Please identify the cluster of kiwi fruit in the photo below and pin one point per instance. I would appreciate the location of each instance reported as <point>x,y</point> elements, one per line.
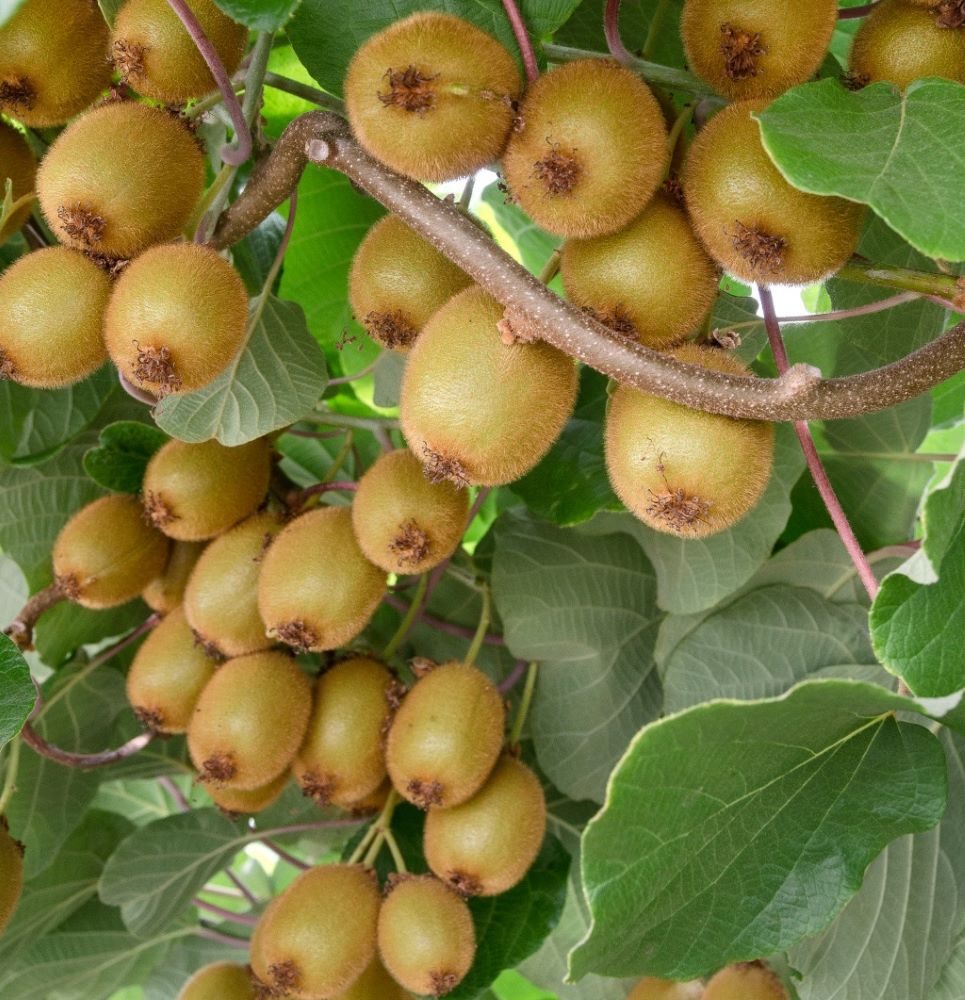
<point>744,981</point>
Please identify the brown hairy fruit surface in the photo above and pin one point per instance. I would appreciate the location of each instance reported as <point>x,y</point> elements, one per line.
<point>18,165</point>
<point>654,277</point>
<point>11,874</point>
<point>486,846</point>
<point>166,592</point>
<point>318,937</point>
<point>156,56</point>
<point>247,802</point>
<point>752,222</point>
<point>681,471</point>
<point>317,590</point>
<point>371,803</point>
<point>426,936</point>
<point>220,981</point>
<point>121,178</point>
<point>52,305</point>
<point>432,96</point>
<point>446,737</point>
<point>746,981</point>
<point>475,410</point>
<point>250,721</point>
<point>591,149</point>
<point>106,554</point>
<point>375,984</point>
<point>666,989</point>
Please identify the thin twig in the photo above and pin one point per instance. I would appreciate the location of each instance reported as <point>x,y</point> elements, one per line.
<point>210,934</point>
<point>522,712</point>
<point>297,498</point>
<point>479,636</point>
<point>285,856</point>
<point>84,761</point>
<point>611,29</point>
<point>242,887</point>
<point>355,376</point>
<point>513,677</point>
<point>522,40</point>
<point>220,911</point>
<point>21,629</point>
<point>302,90</point>
<point>175,793</point>
<point>846,13</point>
<point>408,620</point>
<point>449,628</point>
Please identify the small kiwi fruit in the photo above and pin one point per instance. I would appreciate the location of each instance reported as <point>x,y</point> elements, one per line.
<point>426,935</point>
<point>154,54</point>
<point>682,471</point>
<point>106,554</point>
<point>121,178</point>
<point>752,221</point>
<point>177,317</point>
<point>591,150</point>
<point>317,590</point>
<point>166,592</point>
<point>398,280</point>
<point>403,522</point>
<point>745,981</point>
<point>446,736</point>
<point>250,721</point>
<point>632,281</point>
<point>433,96</point>
<point>18,165</point>
<point>375,984</point>
<point>319,936</point>
<point>52,305</point>
<point>11,874</point>
<point>476,410</point>
<point>247,802</point>
<point>666,989</point>
<point>220,981</point>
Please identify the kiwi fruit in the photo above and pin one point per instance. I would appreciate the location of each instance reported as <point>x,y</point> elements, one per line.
<point>318,937</point>
<point>247,802</point>
<point>751,220</point>
<point>371,803</point>
<point>375,984</point>
<point>11,874</point>
<point>487,845</point>
<point>426,935</point>
<point>196,491</point>
<point>168,675</point>
<point>398,280</point>
<point>178,316</point>
<point>221,599</point>
<point>18,165</point>
<point>432,96</point>
<point>106,554</point>
<point>250,721</point>
<point>446,736</point>
<point>652,281</point>
<point>220,981</point>
<point>474,409</point>
<point>403,522</point>
<point>317,590</point>
<point>666,989</point>
<point>52,305</point>
<point>682,471</point>
<point>166,592</point>
<point>154,54</point>
<point>121,178</point>
<point>756,48</point>
<point>746,981</point>
<point>591,149</point>
<point>53,60</point>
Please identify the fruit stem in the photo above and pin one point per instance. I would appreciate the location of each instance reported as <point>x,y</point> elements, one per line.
<point>522,39</point>
<point>372,834</point>
<point>485,617</point>
<point>466,197</point>
<point>945,286</point>
<point>241,886</point>
<point>355,376</point>
<point>212,100</point>
<point>302,90</point>
<point>673,139</point>
<point>656,22</point>
<point>524,706</point>
<point>202,217</point>
<point>10,778</point>
<point>84,761</point>
<point>512,679</point>
<point>174,792</point>
<point>845,13</point>
<point>552,266</point>
<point>21,628</point>
<point>449,628</point>
<point>409,620</point>
<point>397,858</point>
<point>297,498</point>
<point>285,856</point>
<point>339,459</point>
<point>611,29</point>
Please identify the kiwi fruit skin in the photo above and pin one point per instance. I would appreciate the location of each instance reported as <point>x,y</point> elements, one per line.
<point>666,989</point>
<point>250,721</point>
<point>752,222</point>
<point>11,874</point>
<point>475,410</point>
<point>52,305</point>
<point>486,846</point>
<point>119,179</point>
<point>19,166</point>
<point>681,471</point>
<point>178,316</point>
<point>745,981</point>
<point>166,592</point>
<point>632,280</point>
<point>446,737</point>
<point>591,151</point>
<point>372,803</point>
<point>106,554</point>
<point>248,802</point>
<point>432,96</point>
<point>53,61</point>
<point>220,981</point>
<point>404,523</point>
<point>426,935</point>
<point>317,591</point>
<point>158,58</point>
<point>375,984</point>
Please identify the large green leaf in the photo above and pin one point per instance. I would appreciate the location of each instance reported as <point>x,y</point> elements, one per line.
<point>66,627</point>
<point>263,15</point>
<point>123,450</point>
<point>951,983</point>
<point>17,695</point>
<point>186,956</point>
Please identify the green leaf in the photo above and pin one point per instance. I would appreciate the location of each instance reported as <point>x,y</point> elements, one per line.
<point>17,695</point>
<point>531,245</point>
<point>119,461</point>
<point>186,956</point>
<point>67,627</point>
<point>7,9</point>
<point>139,800</point>
<point>951,984</point>
<point>262,15</point>
<point>254,256</point>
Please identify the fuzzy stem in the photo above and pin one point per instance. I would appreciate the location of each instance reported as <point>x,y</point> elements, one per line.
<point>552,266</point>
<point>524,706</point>
<point>513,678</point>
<point>297,498</point>
<point>396,853</point>
<point>945,286</point>
<point>84,761</point>
<point>285,856</point>
<point>847,13</point>
<point>21,629</point>
<point>409,620</point>
<point>220,911</point>
<point>466,197</point>
<point>485,617</point>
<point>611,29</point>
<point>10,778</point>
<point>382,822</point>
<point>302,90</point>
<point>522,39</point>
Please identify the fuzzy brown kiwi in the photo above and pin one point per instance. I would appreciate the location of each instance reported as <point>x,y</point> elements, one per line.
<point>375,984</point>
<point>469,399</point>
<point>745,981</point>
<point>219,981</point>
<point>166,592</point>
<point>432,96</point>
<point>19,166</point>
<point>11,874</point>
<point>681,471</point>
<point>248,802</point>
<point>371,803</point>
<point>666,989</point>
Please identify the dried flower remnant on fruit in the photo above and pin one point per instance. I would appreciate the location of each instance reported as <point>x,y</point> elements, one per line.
<point>678,510</point>
<point>69,586</point>
<point>128,59</point>
<point>618,321</point>
<point>443,983</point>
<point>318,788</point>
<point>150,719</point>
<point>411,545</point>
<point>297,634</point>
<point>950,14</point>
<point>742,51</point>
<point>425,794</point>
<point>156,510</point>
<point>155,367</point>
<point>17,94</point>
<point>391,329</point>
<point>438,468</point>
<point>209,648</point>
<point>464,884</point>
<point>82,223</point>
<point>408,89</point>
<point>218,769</point>
<point>763,252</point>
<point>7,367</point>
<point>284,978</point>
<point>558,171</point>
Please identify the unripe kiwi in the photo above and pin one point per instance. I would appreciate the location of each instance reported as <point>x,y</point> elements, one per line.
<point>446,736</point>
<point>375,984</point>
<point>666,989</point>
<point>250,721</point>
<point>432,96</point>
<point>106,554</point>
<point>754,224</point>
<point>426,935</point>
<point>746,981</point>
<point>17,164</point>
<point>476,410</point>
<point>682,471</point>
<point>196,491</point>
<point>487,845</point>
<point>156,56</point>
<point>652,281</point>
<point>317,590</point>
<point>166,592</point>
<point>11,874</point>
<point>220,981</point>
<point>318,937</point>
<point>403,522</point>
<point>119,179</point>
<point>247,802</point>
<point>398,280</point>
<point>591,151</point>
<point>53,60</point>
<point>52,304</point>
<point>177,317</point>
